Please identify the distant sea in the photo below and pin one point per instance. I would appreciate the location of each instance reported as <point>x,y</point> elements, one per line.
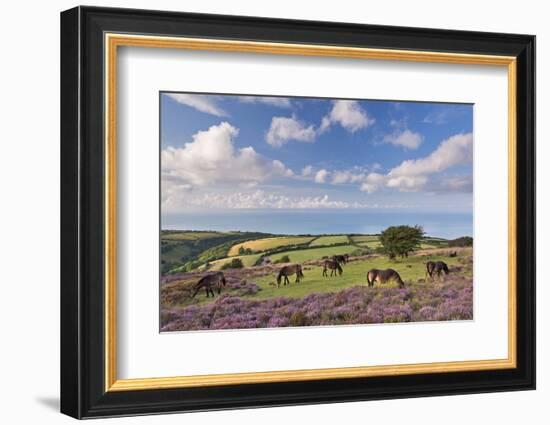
<point>445,225</point>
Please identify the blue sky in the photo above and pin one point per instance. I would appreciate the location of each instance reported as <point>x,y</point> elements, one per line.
<point>246,152</point>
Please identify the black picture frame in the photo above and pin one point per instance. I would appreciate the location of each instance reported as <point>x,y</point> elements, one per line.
<point>82,219</point>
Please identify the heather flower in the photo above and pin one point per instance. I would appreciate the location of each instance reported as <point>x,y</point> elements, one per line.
<point>451,299</point>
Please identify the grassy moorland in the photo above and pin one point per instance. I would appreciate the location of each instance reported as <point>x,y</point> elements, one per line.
<point>252,298</point>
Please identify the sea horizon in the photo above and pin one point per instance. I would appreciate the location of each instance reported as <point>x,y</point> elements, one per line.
<point>320,222</point>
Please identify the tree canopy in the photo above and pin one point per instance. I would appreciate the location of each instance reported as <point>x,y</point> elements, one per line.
<point>401,240</point>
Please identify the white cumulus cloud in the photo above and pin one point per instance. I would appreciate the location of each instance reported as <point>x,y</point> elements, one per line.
<point>307,170</point>
<point>406,138</point>
<point>202,103</point>
<point>347,113</point>
<point>354,175</point>
<point>211,157</point>
<point>321,176</point>
<point>259,199</point>
<point>279,102</point>
<point>285,129</point>
<point>414,174</point>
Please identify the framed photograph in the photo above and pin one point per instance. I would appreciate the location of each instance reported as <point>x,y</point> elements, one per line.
<point>261,212</point>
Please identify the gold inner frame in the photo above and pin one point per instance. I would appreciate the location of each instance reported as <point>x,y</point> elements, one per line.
<point>113,41</point>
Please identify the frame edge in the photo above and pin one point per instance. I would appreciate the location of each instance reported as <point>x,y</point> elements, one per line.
<point>70,349</point>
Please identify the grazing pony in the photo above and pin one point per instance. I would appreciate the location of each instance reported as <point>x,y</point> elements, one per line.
<point>289,270</point>
<point>342,259</point>
<point>453,254</point>
<point>334,267</point>
<point>382,276</point>
<point>209,282</point>
<point>436,267</point>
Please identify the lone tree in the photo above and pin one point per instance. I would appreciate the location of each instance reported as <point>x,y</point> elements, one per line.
<point>400,240</point>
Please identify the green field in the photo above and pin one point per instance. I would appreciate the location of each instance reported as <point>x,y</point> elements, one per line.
<point>299,256</point>
<point>329,240</point>
<point>265,244</point>
<point>190,236</point>
<point>434,243</point>
<point>364,238</point>
<point>410,269</point>
<point>371,241</point>
<point>248,261</point>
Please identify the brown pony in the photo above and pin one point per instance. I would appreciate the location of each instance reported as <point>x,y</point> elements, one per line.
<point>436,267</point>
<point>342,259</point>
<point>289,270</point>
<point>382,276</point>
<point>334,267</point>
<point>208,282</point>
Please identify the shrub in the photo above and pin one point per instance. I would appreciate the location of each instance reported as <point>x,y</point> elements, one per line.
<point>283,259</point>
<point>361,251</point>
<point>235,263</point>
<point>298,319</point>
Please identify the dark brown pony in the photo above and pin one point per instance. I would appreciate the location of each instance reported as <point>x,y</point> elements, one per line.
<point>209,282</point>
<point>436,267</point>
<point>289,270</point>
<point>382,276</point>
<point>453,254</point>
<point>334,267</point>
<point>342,259</point>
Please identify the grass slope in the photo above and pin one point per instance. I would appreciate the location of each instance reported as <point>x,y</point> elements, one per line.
<point>248,261</point>
<point>187,250</point>
<point>265,244</point>
<point>329,240</point>
<point>410,269</point>
<point>301,255</point>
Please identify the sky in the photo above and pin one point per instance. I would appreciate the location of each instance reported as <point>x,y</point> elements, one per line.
<point>228,152</point>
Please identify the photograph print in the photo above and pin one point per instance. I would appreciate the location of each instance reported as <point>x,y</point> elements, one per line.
<point>282,212</point>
